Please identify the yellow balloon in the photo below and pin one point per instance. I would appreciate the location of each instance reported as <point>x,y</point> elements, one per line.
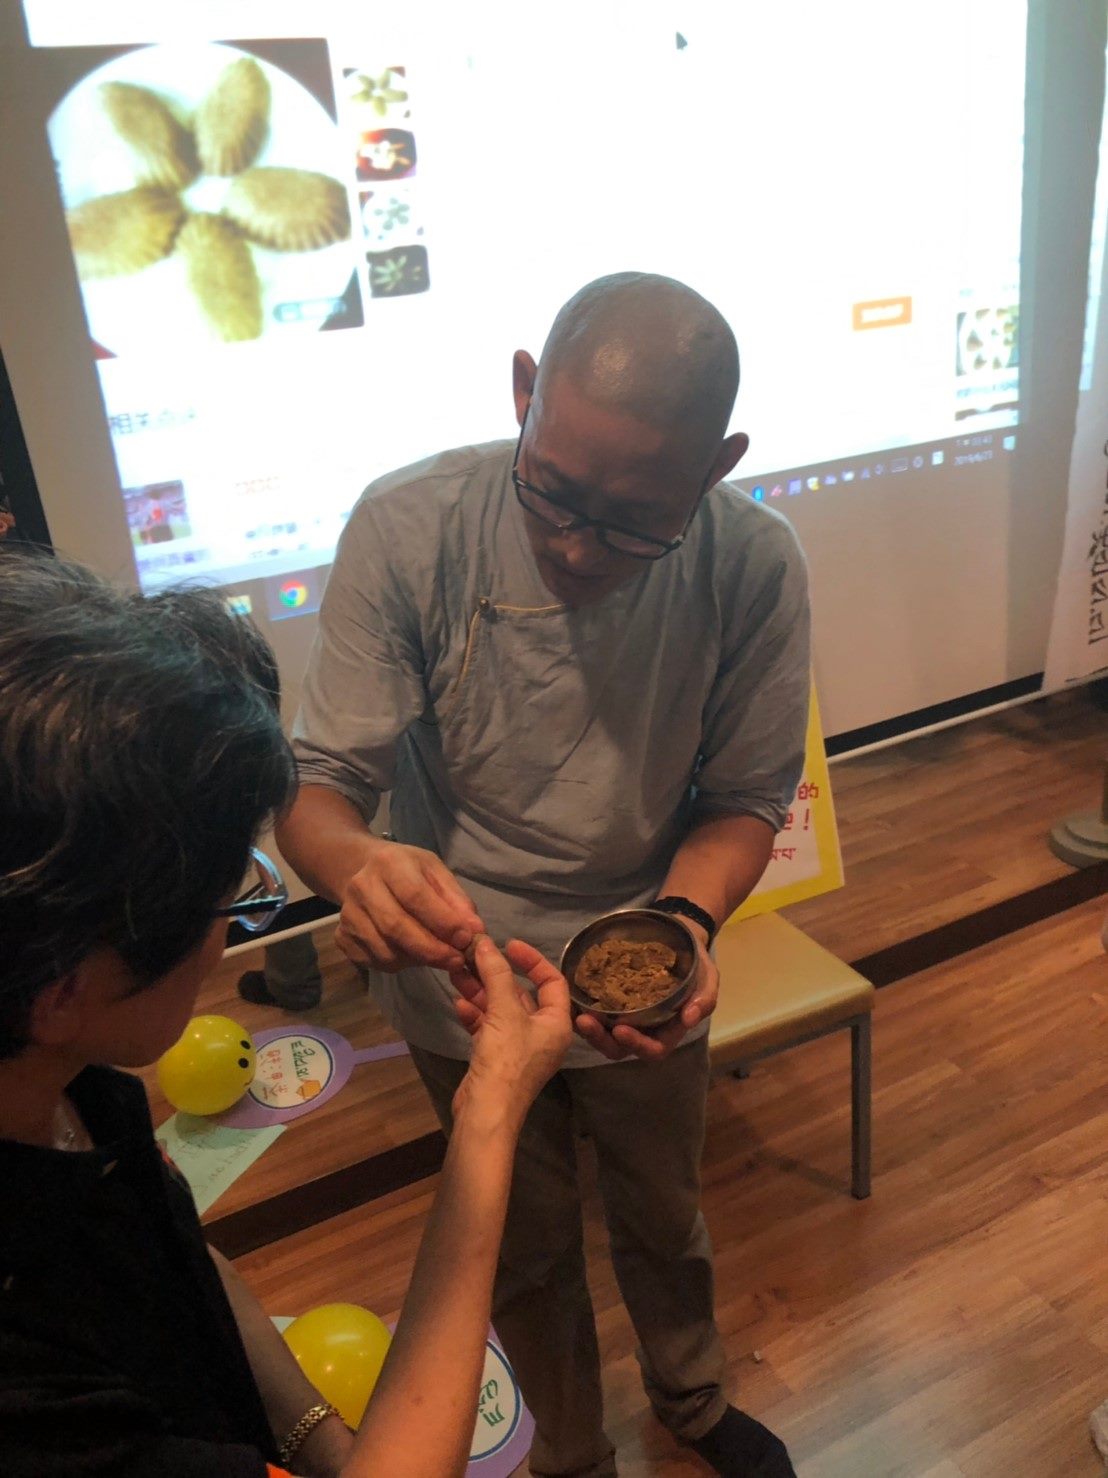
<point>341,1349</point>
<point>210,1068</point>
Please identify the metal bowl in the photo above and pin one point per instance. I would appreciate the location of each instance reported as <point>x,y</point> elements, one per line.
<point>636,924</point>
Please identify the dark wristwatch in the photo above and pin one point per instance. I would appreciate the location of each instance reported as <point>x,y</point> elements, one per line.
<point>690,910</point>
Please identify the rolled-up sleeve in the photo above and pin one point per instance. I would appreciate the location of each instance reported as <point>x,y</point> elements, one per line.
<point>364,683</point>
<point>755,721</point>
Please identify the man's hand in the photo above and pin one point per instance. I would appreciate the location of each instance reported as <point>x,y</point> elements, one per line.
<point>520,1039</point>
<point>625,1041</point>
<point>404,907</point>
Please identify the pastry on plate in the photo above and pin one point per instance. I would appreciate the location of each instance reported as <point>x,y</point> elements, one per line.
<point>222,275</point>
<point>288,209</point>
<point>233,120</point>
<point>116,234</point>
<point>163,147</point>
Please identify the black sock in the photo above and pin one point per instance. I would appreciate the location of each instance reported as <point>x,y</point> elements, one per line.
<point>252,987</point>
<point>740,1447</point>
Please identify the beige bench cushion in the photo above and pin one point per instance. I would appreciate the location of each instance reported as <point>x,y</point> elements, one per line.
<point>776,985</point>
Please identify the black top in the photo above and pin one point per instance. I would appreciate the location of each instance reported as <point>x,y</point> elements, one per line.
<point>119,1353</point>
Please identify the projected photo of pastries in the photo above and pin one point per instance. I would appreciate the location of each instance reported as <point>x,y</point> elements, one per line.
<point>205,197</point>
<point>988,340</point>
<point>386,154</point>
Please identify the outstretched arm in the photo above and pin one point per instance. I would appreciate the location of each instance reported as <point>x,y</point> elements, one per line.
<point>420,1420</point>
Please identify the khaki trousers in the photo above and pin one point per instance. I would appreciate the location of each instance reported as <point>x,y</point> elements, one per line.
<point>646,1121</point>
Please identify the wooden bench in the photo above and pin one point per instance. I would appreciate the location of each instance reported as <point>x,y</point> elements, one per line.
<point>779,988</point>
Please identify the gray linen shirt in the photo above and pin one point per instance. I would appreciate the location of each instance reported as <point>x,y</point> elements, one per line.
<point>551,757</point>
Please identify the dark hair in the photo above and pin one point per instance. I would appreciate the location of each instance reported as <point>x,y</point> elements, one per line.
<point>140,753</point>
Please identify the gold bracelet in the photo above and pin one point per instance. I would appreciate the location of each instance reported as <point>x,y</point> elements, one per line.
<point>304,1427</point>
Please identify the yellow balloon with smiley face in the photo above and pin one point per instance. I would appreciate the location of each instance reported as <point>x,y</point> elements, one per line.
<point>209,1068</point>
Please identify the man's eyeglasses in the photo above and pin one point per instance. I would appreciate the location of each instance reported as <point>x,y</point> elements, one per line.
<point>259,905</point>
<point>556,513</point>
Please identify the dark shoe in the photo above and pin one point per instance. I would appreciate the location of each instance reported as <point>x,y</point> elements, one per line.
<point>739,1447</point>
<point>253,988</point>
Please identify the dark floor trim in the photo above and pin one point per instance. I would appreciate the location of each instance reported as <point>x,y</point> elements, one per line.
<point>906,724</point>
<point>304,1206</point>
<point>909,956</point>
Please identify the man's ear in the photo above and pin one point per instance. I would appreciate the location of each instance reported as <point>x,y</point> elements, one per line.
<point>524,370</point>
<point>732,450</point>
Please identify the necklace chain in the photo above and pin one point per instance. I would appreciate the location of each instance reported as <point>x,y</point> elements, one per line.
<point>65,1131</point>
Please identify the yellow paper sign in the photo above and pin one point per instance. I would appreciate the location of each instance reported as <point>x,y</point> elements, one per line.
<point>806,859</point>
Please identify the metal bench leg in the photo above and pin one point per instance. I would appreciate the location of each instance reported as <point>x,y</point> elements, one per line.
<point>861,1102</point>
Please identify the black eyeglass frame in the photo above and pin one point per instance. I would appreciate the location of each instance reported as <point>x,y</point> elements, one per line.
<point>255,910</point>
<point>601,527</point>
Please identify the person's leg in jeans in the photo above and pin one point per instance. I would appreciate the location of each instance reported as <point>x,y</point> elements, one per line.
<point>290,978</point>
<point>647,1123</point>
<point>541,1306</point>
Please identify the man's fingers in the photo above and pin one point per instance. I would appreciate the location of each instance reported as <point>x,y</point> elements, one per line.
<point>408,914</point>
<point>452,895</point>
<point>402,931</point>
<point>650,1048</point>
<point>593,1033</point>
<point>360,942</point>
<point>704,999</point>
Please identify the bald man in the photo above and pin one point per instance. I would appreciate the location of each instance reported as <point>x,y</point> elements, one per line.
<point>579,665</point>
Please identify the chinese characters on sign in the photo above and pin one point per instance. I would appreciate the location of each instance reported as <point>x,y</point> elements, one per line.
<point>129,423</point>
<point>800,820</point>
<point>805,859</point>
<point>1078,646</point>
<point>292,1071</point>
<point>1098,570</point>
<point>503,1430</point>
<point>488,1407</point>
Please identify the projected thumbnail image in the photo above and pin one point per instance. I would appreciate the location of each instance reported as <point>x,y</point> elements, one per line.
<point>389,216</point>
<point>398,273</point>
<point>376,100</point>
<point>157,513</point>
<point>987,360</point>
<point>988,340</point>
<point>373,99</point>
<point>204,196</point>
<point>386,154</point>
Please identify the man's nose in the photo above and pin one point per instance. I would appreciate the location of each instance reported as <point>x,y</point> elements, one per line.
<point>581,550</point>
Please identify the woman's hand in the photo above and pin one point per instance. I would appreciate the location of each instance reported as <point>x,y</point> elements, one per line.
<point>520,1038</point>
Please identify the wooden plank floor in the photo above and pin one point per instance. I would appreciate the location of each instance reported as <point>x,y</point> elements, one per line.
<point>943,825</point>
<point>954,1326</point>
<point>382,1105</point>
<point>931,829</point>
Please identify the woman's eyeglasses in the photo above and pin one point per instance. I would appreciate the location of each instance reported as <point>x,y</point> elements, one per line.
<point>259,905</point>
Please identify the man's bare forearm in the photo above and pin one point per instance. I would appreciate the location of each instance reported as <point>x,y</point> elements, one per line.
<point>325,840</point>
<point>719,862</point>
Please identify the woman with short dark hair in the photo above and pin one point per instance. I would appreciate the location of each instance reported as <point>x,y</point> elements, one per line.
<point>140,756</point>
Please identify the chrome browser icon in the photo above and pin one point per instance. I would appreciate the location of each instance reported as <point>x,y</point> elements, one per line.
<point>296,593</point>
<point>293,594</point>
